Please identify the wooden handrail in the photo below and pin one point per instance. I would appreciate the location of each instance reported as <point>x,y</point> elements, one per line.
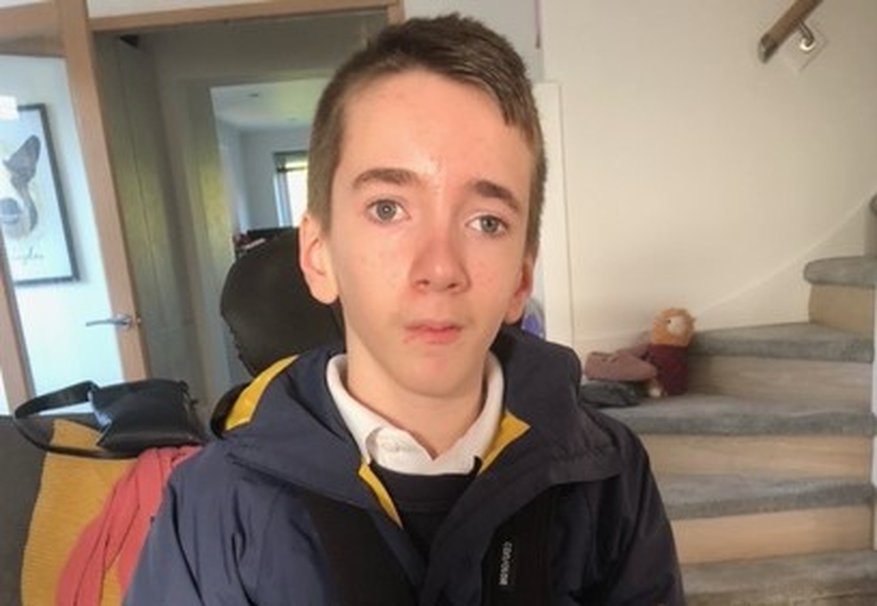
<point>791,20</point>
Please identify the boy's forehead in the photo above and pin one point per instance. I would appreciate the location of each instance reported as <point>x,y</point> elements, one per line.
<point>386,83</point>
<point>359,109</point>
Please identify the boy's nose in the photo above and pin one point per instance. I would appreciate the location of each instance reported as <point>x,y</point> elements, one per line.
<point>439,264</point>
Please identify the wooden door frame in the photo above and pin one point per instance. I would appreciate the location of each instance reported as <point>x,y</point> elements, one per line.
<point>142,22</point>
<point>30,29</point>
<point>78,42</point>
<point>16,377</point>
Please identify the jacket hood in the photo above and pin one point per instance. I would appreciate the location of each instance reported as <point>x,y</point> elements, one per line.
<point>291,429</point>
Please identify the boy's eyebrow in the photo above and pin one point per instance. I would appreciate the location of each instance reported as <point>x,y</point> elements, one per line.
<point>490,189</point>
<point>401,176</point>
<point>393,176</point>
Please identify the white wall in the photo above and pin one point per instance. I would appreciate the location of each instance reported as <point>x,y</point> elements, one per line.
<point>233,170</point>
<point>248,166</point>
<point>61,350</point>
<point>697,176</point>
<point>258,149</point>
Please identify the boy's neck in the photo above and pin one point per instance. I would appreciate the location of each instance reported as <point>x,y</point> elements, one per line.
<point>435,422</point>
<point>437,425</point>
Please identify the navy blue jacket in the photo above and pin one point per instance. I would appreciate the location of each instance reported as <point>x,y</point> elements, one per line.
<point>233,529</point>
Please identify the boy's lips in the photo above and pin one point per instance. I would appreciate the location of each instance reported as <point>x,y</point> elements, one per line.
<point>437,333</point>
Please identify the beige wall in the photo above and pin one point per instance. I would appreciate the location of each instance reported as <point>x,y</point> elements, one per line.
<point>697,176</point>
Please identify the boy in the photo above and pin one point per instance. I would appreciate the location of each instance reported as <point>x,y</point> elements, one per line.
<point>435,458</point>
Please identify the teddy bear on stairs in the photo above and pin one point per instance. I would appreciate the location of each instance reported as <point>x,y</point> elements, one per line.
<point>659,366</point>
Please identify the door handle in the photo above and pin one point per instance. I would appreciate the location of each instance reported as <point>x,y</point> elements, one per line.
<point>123,321</point>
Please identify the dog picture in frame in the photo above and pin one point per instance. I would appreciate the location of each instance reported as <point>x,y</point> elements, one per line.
<point>33,221</point>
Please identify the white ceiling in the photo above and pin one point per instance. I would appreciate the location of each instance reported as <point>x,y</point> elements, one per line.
<point>268,105</point>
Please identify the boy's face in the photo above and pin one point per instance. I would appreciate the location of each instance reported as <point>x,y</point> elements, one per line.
<point>427,244</point>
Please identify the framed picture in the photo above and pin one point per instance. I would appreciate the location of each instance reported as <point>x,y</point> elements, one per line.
<point>33,220</point>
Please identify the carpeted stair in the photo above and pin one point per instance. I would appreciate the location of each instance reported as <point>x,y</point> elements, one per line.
<point>836,579</point>
<point>765,465</point>
<point>798,341</point>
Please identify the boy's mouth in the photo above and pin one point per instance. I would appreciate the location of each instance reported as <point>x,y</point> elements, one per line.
<point>433,333</point>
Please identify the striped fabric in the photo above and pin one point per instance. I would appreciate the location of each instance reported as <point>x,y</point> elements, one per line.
<point>72,493</point>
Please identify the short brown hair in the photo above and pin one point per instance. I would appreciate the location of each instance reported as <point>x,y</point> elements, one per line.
<point>459,48</point>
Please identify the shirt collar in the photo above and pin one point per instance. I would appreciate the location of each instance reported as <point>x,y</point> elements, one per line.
<point>395,449</point>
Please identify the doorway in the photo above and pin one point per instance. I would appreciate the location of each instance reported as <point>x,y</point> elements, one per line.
<point>182,204</point>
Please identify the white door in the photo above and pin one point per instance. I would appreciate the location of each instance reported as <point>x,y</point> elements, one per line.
<point>67,310</point>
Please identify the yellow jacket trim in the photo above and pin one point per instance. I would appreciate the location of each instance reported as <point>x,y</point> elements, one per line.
<point>244,407</point>
<point>368,476</point>
<point>510,429</point>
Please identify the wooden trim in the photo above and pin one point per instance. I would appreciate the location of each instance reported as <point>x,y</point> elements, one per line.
<point>38,20</point>
<point>232,12</point>
<point>32,47</point>
<point>81,68</point>
<point>14,371</point>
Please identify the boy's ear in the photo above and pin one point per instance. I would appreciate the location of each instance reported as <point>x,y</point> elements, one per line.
<point>522,293</point>
<point>315,260</point>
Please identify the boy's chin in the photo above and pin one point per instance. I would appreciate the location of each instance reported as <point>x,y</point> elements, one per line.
<point>439,382</point>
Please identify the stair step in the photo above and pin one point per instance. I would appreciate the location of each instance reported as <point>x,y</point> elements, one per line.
<point>845,308</point>
<point>726,517</point>
<point>846,271</point>
<point>716,434</point>
<point>798,341</point>
<point>766,455</point>
<point>710,496</point>
<point>708,414</point>
<point>773,533</point>
<point>781,379</point>
<point>848,578</point>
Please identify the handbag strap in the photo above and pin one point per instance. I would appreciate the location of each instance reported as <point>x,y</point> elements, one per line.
<point>73,394</point>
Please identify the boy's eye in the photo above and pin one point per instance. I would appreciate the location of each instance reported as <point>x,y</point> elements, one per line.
<point>489,224</point>
<point>385,211</point>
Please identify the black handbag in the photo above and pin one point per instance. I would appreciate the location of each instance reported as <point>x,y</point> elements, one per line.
<point>130,417</point>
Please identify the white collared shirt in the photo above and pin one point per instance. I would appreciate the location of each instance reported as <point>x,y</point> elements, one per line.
<point>396,449</point>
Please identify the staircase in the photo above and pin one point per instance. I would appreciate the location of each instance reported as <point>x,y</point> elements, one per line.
<point>765,466</point>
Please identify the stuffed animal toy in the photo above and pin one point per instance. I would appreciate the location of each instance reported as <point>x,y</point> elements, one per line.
<point>658,365</point>
<point>668,352</point>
